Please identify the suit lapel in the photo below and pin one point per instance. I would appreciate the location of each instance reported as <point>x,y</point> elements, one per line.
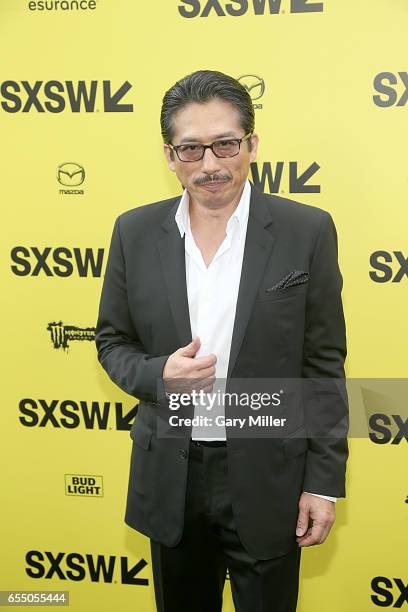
<point>172,256</point>
<point>258,247</point>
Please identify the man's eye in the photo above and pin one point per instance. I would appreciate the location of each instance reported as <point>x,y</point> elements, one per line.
<point>225,145</point>
<point>190,147</point>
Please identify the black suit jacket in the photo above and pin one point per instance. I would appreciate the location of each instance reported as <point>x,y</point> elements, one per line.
<point>298,332</point>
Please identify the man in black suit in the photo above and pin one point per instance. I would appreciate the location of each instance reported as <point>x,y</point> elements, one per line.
<point>226,284</point>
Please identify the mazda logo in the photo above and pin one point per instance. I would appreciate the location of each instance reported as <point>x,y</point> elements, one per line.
<point>70,174</point>
<point>255,85</point>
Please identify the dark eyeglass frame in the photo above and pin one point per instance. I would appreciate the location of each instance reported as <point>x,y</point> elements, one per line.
<point>210,146</point>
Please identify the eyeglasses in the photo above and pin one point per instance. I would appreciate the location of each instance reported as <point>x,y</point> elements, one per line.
<point>220,148</point>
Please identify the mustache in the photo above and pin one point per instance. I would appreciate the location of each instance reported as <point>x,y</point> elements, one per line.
<point>211,178</point>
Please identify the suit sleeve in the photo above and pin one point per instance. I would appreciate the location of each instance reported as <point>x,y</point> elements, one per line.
<point>324,352</point>
<point>120,351</point>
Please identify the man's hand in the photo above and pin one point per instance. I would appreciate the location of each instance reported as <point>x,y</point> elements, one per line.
<point>316,516</point>
<point>184,372</point>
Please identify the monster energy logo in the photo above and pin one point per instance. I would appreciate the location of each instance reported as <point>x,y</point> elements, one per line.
<point>62,334</point>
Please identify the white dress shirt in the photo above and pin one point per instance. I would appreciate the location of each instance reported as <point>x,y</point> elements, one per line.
<point>212,298</point>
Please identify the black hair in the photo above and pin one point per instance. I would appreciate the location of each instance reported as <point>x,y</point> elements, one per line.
<point>200,87</point>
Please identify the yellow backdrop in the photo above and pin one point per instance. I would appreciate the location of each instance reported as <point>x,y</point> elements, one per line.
<point>81,89</point>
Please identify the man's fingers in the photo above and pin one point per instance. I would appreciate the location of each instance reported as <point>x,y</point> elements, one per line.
<point>201,363</point>
<point>183,367</point>
<point>193,371</point>
<point>188,385</point>
<point>205,373</point>
<point>191,349</point>
<point>302,522</point>
<point>202,384</point>
<point>312,537</point>
<point>305,540</point>
<point>316,534</point>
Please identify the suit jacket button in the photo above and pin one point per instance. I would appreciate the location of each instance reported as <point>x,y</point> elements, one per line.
<point>183,453</point>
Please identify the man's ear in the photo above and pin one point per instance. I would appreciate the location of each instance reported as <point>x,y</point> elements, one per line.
<point>169,155</point>
<point>254,141</point>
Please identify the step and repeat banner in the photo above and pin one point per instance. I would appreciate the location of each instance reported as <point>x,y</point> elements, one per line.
<point>81,84</point>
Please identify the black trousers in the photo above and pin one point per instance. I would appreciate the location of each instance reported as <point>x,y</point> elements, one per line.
<point>190,576</point>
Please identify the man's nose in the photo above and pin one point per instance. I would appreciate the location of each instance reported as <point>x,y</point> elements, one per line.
<point>209,163</point>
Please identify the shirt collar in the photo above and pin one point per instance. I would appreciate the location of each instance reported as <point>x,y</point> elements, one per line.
<point>240,213</point>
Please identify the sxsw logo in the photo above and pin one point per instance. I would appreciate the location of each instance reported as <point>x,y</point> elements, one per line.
<point>57,96</point>
<point>56,261</point>
<point>386,594</point>
<point>83,485</point>
<point>76,567</point>
<point>237,8</point>
<point>270,177</point>
<point>380,261</point>
<point>71,414</point>
<point>392,89</point>
<point>387,428</point>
